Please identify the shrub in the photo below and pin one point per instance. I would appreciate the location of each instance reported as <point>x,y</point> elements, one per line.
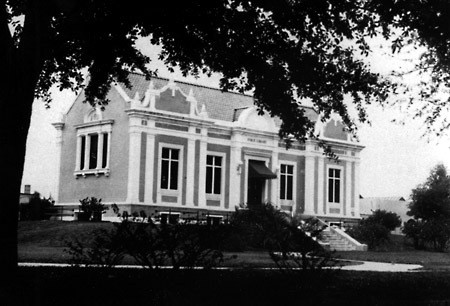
<point>37,209</point>
<point>375,229</point>
<point>434,233</point>
<point>91,209</point>
<point>290,242</point>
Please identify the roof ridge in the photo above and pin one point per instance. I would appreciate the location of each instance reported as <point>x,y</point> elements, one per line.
<point>198,85</point>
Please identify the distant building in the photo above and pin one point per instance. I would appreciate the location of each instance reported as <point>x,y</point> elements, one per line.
<point>396,205</point>
<point>164,146</point>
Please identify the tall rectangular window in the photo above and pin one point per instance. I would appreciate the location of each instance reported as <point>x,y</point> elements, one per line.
<point>169,168</point>
<point>93,150</point>
<point>92,143</point>
<point>213,174</point>
<point>334,185</point>
<point>105,150</point>
<point>82,150</point>
<point>286,182</point>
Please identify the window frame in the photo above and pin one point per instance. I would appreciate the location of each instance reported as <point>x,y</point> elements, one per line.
<point>287,202</point>
<point>335,205</point>
<point>171,192</point>
<point>86,130</point>
<point>212,196</point>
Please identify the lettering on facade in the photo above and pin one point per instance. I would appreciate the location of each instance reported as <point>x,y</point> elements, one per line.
<point>256,140</point>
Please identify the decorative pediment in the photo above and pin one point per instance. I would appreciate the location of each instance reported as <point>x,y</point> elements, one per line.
<point>333,128</point>
<point>169,98</point>
<point>250,119</point>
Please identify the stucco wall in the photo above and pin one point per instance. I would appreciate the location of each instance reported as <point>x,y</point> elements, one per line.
<point>109,189</point>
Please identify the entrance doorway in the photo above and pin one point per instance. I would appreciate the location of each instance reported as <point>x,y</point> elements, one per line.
<point>258,173</point>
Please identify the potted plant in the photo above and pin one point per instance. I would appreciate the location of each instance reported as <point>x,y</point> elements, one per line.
<point>91,209</point>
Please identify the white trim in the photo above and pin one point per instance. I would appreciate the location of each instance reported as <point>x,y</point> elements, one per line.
<point>170,192</point>
<point>275,192</point>
<point>348,188</point>
<point>356,191</point>
<point>309,185</point>
<point>266,160</point>
<point>294,183</point>
<point>134,166</point>
<point>339,204</point>
<point>202,170</point>
<point>190,170</point>
<point>321,209</point>
<point>99,128</point>
<point>149,169</point>
<point>211,196</point>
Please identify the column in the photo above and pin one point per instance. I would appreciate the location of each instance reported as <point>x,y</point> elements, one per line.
<point>235,176</point>
<point>190,168</point>
<point>109,150</point>
<point>100,150</point>
<point>274,183</point>
<point>59,141</point>
<point>321,183</point>
<point>150,175</point>
<point>78,157</point>
<point>87,151</point>
<point>356,191</point>
<point>133,166</point>
<point>348,188</point>
<point>309,185</point>
<point>202,170</point>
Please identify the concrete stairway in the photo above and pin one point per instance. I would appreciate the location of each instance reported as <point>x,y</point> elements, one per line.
<point>338,240</point>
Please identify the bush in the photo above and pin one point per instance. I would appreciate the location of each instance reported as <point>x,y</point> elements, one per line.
<point>37,209</point>
<point>375,229</point>
<point>91,209</point>
<point>434,233</point>
<point>153,245</point>
<point>290,242</point>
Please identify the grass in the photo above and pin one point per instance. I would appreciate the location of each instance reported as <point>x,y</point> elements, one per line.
<point>399,250</point>
<point>100,286</point>
<point>46,241</point>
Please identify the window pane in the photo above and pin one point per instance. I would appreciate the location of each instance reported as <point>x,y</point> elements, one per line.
<point>83,148</point>
<point>330,190</point>
<point>209,160</point>
<point>217,179</point>
<point>283,187</point>
<point>337,191</point>
<point>208,180</point>
<point>105,151</point>
<point>337,173</point>
<point>218,161</point>
<point>283,168</point>
<point>290,169</point>
<point>174,175</point>
<point>165,152</point>
<point>164,174</point>
<point>289,188</point>
<point>330,173</point>
<point>175,153</point>
<point>93,151</point>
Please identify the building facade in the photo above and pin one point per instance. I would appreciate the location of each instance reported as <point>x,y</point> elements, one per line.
<point>164,146</point>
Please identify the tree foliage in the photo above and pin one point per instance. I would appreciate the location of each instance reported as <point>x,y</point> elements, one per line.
<point>375,229</point>
<point>430,208</point>
<point>431,200</point>
<point>284,51</point>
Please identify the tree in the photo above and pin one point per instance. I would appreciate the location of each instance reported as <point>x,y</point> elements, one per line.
<point>375,229</point>
<point>430,208</point>
<point>283,51</point>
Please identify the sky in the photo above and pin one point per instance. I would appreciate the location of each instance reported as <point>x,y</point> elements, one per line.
<point>396,157</point>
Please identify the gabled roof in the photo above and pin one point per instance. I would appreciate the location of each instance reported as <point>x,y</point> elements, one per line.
<point>220,105</point>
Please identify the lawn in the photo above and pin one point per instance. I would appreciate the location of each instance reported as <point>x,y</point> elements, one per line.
<point>45,241</point>
<point>398,250</point>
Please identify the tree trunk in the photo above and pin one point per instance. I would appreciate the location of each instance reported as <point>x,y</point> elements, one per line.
<point>20,66</point>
